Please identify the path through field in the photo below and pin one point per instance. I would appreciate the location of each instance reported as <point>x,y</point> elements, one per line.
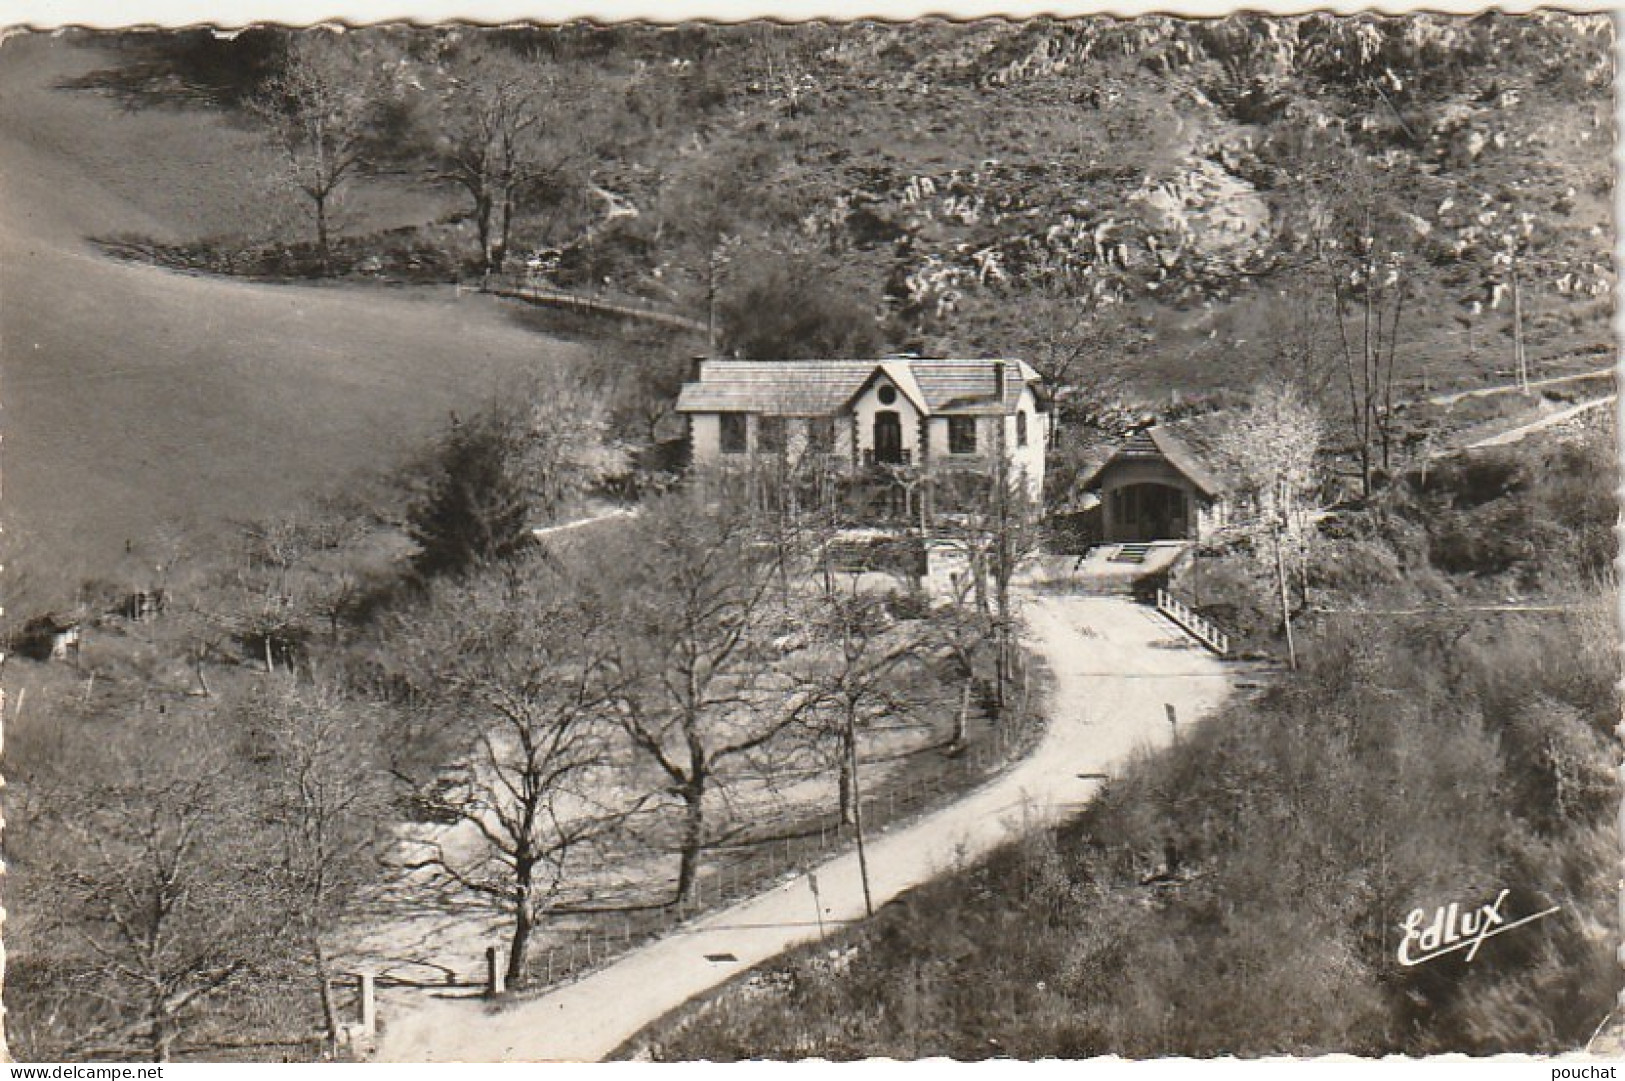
<point>1512,388</point>
<point>1551,420</point>
<point>137,398</point>
<point>1116,664</point>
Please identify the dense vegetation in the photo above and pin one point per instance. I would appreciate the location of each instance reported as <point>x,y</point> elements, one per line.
<point>1529,523</point>
<point>1139,195</point>
<point>1243,892</point>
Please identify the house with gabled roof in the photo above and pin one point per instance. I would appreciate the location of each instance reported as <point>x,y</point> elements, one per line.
<point>1162,483</point>
<point>933,415</point>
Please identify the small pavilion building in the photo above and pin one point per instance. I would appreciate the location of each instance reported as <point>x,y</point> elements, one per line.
<point>1157,486</point>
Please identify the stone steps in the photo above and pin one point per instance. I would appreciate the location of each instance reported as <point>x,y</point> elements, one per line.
<point>1130,553</point>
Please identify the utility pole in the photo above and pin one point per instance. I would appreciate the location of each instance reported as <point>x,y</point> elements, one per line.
<point>1280,571</point>
<point>857,816</point>
<point>1520,361</point>
<point>711,302</point>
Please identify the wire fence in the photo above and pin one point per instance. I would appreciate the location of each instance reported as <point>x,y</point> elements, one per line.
<point>740,870</point>
<point>523,287</point>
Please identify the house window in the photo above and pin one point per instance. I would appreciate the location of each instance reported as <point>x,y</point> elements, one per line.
<point>1021,428</point>
<point>888,395</point>
<point>734,437</point>
<point>821,435</point>
<point>770,435</point>
<point>961,435</point>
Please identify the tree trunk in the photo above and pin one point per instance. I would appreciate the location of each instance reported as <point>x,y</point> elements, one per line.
<point>163,1033</point>
<point>857,824</point>
<point>499,254</point>
<point>847,796</point>
<point>1286,611</point>
<point>524,924</point>
<point>1520,361</point>
<point>322,256</point>
<point>688,866</point>
<point>962,718</point>
<point>482,222</point>
<point>197,669</point>
<point>324,987</point>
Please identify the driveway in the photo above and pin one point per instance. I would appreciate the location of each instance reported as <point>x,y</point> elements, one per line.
<point>1117,665</point>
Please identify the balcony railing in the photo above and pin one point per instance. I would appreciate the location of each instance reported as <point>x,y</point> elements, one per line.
<point>903,457</point>
<point>975,462</point>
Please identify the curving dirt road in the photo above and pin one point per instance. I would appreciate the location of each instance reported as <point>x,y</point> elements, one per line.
<point>1116,665</point>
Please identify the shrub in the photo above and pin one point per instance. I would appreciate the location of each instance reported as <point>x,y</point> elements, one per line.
<point>782,309</point>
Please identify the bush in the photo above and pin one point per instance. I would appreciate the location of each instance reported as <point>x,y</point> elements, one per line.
<point>476,508</point>
<point>781,309</point>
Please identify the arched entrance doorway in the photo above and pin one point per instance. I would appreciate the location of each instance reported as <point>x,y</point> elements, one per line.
<point>888,438</point>
<point>1147,512</point>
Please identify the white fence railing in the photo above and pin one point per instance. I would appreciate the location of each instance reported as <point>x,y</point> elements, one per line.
<point>1194,623</point>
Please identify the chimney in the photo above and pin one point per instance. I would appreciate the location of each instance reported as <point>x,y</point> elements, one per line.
<point>998,381</point>
<point>696,367</point>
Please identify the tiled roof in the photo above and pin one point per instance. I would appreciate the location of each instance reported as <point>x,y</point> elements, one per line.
<point>810,388</point>
<point>1185,445</point>
<point>1185,459</point>
<point>966,386</point>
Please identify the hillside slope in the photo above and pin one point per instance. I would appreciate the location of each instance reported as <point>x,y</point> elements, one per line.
<point>1171,202</point>
<point>1171,199</point>
<point>139,399</point>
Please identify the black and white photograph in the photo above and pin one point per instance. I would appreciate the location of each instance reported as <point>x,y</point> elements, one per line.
<point>1013,538</point>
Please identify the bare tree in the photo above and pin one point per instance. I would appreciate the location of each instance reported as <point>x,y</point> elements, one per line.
<point>999,528</point>
<point>328,798</point>
<point>272,610</point>
<point>527,680</point>
<point>158,876</point>
<point>323,110</point>
<point>1369,276</point>
<point>846,682</point>
<point>501,130</point>
<point>690,601</point>
<point>962,631</point>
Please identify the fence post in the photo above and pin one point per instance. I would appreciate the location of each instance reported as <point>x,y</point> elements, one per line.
<point>368,995</point>
<point>493,972</point>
